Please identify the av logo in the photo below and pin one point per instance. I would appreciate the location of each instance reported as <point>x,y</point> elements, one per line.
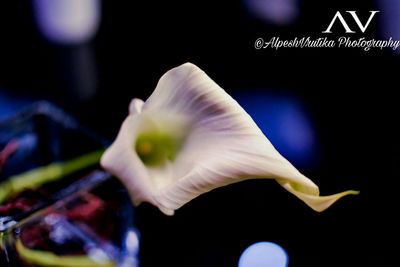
<point>339,16</point>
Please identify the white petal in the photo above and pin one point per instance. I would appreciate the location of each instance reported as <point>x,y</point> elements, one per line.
<point>136,106</point>
<point>120,160</point>
<point>222,145</point>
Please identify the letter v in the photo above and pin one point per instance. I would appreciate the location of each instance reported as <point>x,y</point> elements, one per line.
<point>363,28</point>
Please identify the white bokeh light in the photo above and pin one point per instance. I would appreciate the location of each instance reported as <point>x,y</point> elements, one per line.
<point>67,21</point>
<point>264,254</point>
<point>279,12</point>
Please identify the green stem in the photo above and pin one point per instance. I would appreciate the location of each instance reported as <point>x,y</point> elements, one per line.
<point>36,177</point>
<point>45,258</point>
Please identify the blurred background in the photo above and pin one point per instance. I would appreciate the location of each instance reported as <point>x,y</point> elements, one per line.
<point>332,112</point>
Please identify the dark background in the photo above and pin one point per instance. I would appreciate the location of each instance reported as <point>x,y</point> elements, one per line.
<point>351,96</point>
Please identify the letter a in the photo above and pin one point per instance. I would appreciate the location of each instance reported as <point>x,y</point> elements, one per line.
<point>339,16</point>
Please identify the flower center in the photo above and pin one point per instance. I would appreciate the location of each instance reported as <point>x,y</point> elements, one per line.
<point>156,148</point>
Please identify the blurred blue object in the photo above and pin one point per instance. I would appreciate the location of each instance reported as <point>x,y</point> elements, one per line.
<point>279,12</point>
<point>10,103</point>
<point>264,254</point>
<point>390,19</point>
<point>284,120</point>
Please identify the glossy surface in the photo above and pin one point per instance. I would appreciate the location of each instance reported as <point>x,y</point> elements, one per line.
<point>57,207</point>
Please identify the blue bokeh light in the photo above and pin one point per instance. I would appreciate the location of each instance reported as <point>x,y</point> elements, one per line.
<point>284,120</point>
<point>264,254</point>
<point>279,12</point>
<point>11,103</point>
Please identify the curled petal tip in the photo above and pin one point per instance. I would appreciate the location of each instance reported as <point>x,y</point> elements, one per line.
<point>168,212</point>
<point>136,106</point>
<point>325,202</point>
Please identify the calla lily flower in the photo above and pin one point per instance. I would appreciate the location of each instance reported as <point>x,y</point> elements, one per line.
<point>190,137</point>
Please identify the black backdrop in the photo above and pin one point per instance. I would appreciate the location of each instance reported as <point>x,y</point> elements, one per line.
<point>351,95</point>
